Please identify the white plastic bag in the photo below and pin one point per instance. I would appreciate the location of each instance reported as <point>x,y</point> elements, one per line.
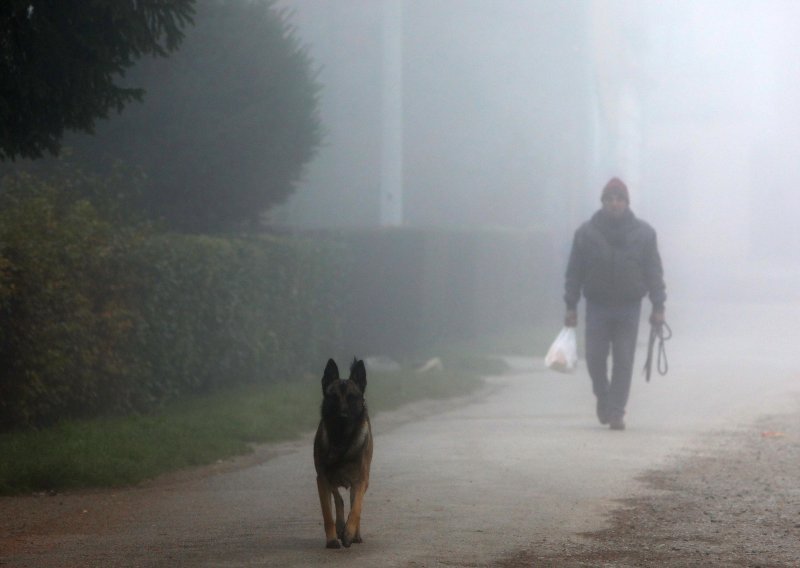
<point>563,353</point>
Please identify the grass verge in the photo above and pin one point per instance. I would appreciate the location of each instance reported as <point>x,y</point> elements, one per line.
<point>124,451</point>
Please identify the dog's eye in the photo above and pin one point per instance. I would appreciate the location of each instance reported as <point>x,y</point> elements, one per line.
<point>353,397</point>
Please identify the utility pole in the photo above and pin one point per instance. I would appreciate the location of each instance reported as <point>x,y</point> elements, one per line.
<point>391,205</point>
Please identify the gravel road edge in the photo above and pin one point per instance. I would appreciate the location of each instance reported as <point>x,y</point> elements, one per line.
<point>733,500</point>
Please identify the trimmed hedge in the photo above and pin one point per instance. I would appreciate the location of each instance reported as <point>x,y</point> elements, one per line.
<point>100,317</point>
<point>217,311</point>
<point>414,289</point>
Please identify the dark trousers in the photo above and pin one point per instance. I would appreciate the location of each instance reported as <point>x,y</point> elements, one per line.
<point>611,329</point>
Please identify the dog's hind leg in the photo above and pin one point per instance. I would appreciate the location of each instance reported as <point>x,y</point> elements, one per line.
<point>339,502</point>
<point>325,491</point>
<point>352,530</point>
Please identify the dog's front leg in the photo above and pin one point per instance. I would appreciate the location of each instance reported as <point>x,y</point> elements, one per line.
<point>337,500</point>
<point>352,531</point>
<point>325,491</point>
<point>357,534</point>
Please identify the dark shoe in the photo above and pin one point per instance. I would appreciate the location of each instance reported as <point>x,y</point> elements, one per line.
<point>616,423</point>
<point>602,412</point>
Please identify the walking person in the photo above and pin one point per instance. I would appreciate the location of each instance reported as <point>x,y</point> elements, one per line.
<point>614,263</point>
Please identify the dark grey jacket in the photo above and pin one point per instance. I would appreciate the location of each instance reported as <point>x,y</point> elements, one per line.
<point>614,262</point>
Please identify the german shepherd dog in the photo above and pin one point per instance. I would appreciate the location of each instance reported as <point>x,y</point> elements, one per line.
<point>343,451</point>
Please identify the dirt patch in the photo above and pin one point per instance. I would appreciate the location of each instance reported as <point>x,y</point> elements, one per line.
<point>735,501</point>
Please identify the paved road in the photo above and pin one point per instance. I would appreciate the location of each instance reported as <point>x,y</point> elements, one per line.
<point>469,483</point>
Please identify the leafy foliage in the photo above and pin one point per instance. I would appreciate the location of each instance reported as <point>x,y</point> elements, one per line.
<point>219,311</point>
<point>228,124</point>
<point>63,296</point>
<point>105,316</point>
<point>60,62</point>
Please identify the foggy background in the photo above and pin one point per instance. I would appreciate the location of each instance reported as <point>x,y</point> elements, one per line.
<point>514,113</point>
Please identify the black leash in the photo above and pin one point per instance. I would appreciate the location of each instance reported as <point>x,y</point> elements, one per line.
<point>661,333</point>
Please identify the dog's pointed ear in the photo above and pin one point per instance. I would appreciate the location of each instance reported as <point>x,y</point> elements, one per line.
<point>358,374</point>
<point>331,374</point>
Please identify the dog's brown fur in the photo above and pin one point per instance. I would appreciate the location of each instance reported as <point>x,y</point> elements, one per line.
<point>343,451</point>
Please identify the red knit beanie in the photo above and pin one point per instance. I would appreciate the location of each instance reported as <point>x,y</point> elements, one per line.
<point>615,186</point>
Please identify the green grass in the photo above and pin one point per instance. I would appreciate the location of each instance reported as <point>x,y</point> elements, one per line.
<point>124,451</point>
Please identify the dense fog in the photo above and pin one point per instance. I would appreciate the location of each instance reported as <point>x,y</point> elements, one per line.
<point>467,113</point>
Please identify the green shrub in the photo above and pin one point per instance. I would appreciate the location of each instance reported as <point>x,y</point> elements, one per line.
<point>415,288</point>
<point>220,311</point>
<point>104,316</point>
<point>62,291</point>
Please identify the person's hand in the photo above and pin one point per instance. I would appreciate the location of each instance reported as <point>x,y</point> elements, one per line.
<point>657,317</point>
<point>571,319</point>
